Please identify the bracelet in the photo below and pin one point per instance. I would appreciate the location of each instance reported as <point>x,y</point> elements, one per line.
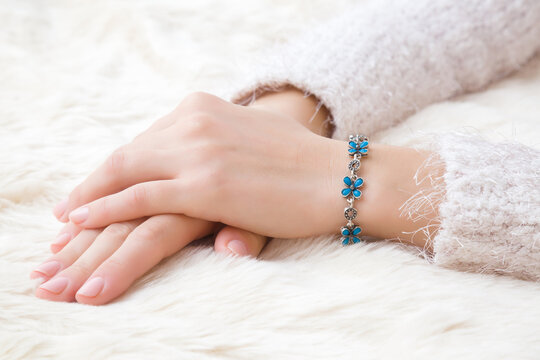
<point>358,147</point>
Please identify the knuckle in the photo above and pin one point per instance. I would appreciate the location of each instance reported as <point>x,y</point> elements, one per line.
<point>114,265</point>
<point>217,151</point>
<point>197,100</point>
<point>80,267</point>
<point>139,195</point>
<point>116,162</point>
<point>196,182</point>
<point>205,158</point>
<point>151,233</point>
<point>213,180</point>
<point>199,124</point>
<point>117,230</point>
<point>103,206</point>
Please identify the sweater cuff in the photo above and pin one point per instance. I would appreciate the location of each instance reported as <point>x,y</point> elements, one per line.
<point>489,211</point>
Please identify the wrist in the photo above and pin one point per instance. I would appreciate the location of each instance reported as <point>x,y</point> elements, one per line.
<point>389,181</point>
<point>292,102</point>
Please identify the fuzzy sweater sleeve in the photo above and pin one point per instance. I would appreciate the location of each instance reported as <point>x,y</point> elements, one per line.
<point>382,61</point>
<point>490,209</point>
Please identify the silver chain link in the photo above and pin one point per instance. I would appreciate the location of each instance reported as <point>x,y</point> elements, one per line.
<point>354,165</point>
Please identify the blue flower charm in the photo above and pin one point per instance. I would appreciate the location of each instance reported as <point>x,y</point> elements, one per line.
<point>349,235</point>
<point>352,187</point>
<point>358,148</point>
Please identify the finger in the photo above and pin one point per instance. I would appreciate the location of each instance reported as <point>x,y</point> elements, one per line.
<point>68,232</point>
<point>65,257</point>
<point>60,208</point>
<point>123,168</point>
<point>64,285</point>
<point>145,199</point>
<point>158,237</point>
<point>234,241</point>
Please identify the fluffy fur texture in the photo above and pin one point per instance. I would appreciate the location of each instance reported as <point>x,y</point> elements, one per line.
<point>374,65</point>
<point>78,80</point>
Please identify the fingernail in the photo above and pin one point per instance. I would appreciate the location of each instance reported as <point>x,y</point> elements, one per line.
<point>56,285</point>
<point>47,269</point>
<point>79,215</point>
<point>237,247</point>
<point>61,239</point>
<point>92,287</point>
<point>60,208</point>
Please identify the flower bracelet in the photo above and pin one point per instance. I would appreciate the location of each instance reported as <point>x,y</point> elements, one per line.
<point>358,147</point>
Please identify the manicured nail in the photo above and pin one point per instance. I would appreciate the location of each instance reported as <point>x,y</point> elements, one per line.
<point>61,239</point>
<point>79,215</point>
<point>60,208</point>
<point>237,247</point>
<point>92,287</point>
<point>47,269</point>
<point>56,285</point>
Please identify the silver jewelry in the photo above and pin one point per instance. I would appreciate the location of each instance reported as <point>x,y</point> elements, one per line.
<point>358,147</point>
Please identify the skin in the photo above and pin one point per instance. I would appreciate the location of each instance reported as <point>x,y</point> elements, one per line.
<point>129,229</point>
<point>120,251</point>
<point>212,152</point>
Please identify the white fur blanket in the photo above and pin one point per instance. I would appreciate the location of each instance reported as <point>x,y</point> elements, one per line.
<point>78,79</point>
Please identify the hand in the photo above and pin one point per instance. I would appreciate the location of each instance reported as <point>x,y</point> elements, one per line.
<point>99,265</point>
<point>117,254</point>
<point>80,253</point>
<point>217,161</point>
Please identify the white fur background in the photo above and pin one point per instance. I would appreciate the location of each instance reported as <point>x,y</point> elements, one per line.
<point>78,79</point>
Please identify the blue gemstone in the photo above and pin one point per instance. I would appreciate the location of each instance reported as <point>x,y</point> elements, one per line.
<point>347,180</point>
<point>357,193</point>
<point>345,192</point>
<point>345,232</point>
<point>358,182</point>
<point>363,151</point>
<point>352,144</point>
<point>364,144</point>
<point>356,230</point>
<point>356,240</point>
<point>345,241</point>
<point>352,150</point>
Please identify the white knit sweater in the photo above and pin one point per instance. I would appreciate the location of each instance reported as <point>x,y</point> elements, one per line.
<point>374,66</point>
